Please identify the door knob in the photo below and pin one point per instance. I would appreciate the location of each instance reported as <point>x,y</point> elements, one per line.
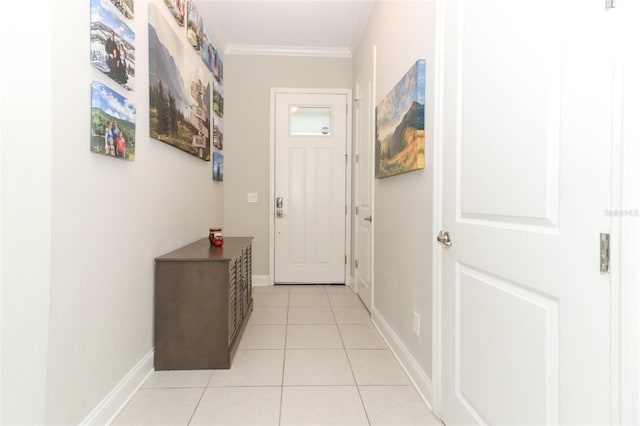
<point>445,239</point>
<point>368,218</point>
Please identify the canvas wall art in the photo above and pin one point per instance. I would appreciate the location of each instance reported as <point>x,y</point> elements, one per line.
<point>113,123</point>
<point>112,43</point>
<point>209,53</point>
<point>179,91</point>
<point>178,9</point>
<point>400,125</point>
<point>195,27</point>
<point>218,133</point>
<point>125,7</point>
<point>218,67</point>
<point>218,167</point>
<point>218,99</point>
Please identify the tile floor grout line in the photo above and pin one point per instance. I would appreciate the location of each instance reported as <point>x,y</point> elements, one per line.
<point>353,374</point>
<point>284,356</point>
<point>196,407</point>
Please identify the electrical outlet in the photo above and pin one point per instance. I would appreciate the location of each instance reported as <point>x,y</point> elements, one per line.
<point>252,197</point>
<point>416,324</point>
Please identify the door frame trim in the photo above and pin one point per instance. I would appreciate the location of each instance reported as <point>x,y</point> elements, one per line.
<point>356,179</point>
<point>625,230</point>
<point>438,141</point>
<point>272,171</point>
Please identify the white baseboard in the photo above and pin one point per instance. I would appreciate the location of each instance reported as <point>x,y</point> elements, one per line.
<point>353,284</point>
<point>260,280</point>
<point>407,361</point>
<point>106,411</point>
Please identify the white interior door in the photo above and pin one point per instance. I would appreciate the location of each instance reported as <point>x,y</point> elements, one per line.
<point>365,134</point>
<point>310,188</point>
<point>526,183</point>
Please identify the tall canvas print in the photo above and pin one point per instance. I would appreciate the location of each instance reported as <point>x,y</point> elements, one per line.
<point>218,99</point>
<point>113,123</point>
<point>218,167</point>
<point>112,43</point>
<point>400,125</point>
<point>179,91</point>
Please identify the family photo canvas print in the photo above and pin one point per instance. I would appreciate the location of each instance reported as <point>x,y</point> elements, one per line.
<point>179,91</point>
<point>112,43</point>
<point>113,123</point>
<point>400,125</point>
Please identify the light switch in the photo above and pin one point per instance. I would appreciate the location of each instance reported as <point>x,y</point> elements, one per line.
<point>252,197</point>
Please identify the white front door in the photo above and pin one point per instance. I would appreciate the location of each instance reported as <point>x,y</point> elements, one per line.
<point>527,142</point>
<point>310,188</point>
<point>364,183</point>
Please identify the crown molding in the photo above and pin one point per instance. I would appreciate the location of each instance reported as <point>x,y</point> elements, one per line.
<point>324,52</point>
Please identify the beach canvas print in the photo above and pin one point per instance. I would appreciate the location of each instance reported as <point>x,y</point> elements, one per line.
<point>113,123</point>
<point>400,125</point>
<point>179,91</point>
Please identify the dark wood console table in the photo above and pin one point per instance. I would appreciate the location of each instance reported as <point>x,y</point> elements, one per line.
<point>202,304</point>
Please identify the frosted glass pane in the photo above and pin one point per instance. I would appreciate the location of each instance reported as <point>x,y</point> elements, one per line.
<point>309,121</point>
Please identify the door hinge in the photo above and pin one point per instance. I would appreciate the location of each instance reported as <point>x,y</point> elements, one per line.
<point>345,209</point>
<point>356,263</point>
<point>345,259</point>
<point>610,4</point>
<point>357,158</point>
<point>356,102</point>
<point>604,253</point>
<point>357,210</point>
<point>346,159</point>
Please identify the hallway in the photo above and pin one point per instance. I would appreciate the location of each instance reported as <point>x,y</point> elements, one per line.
<point>309,356</point>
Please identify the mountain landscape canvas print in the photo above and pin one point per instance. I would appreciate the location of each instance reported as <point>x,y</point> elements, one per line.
<point>400,125</point>
<point>179,91</point>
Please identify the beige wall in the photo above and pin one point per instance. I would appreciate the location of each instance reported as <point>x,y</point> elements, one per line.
<point>403,32</point>
<point>248,80</point>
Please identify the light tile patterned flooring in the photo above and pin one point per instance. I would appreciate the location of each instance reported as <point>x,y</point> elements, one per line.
<point>309,356</point>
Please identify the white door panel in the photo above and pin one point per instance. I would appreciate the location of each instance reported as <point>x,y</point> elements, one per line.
<point>527,139</point>
<point>310,171</point>
<point>365,134</point>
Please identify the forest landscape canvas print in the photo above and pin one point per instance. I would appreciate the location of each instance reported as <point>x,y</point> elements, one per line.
<point>112,43</point>
<point>400,125</point>
<point>113,123</point>
<point>179,91</point>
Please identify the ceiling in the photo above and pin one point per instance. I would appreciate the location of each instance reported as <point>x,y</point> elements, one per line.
<point>251,26</point>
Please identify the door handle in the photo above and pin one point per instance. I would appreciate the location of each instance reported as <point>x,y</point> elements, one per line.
<point>279,210</point>
<point>368,219</point>
<point>445,239</point>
